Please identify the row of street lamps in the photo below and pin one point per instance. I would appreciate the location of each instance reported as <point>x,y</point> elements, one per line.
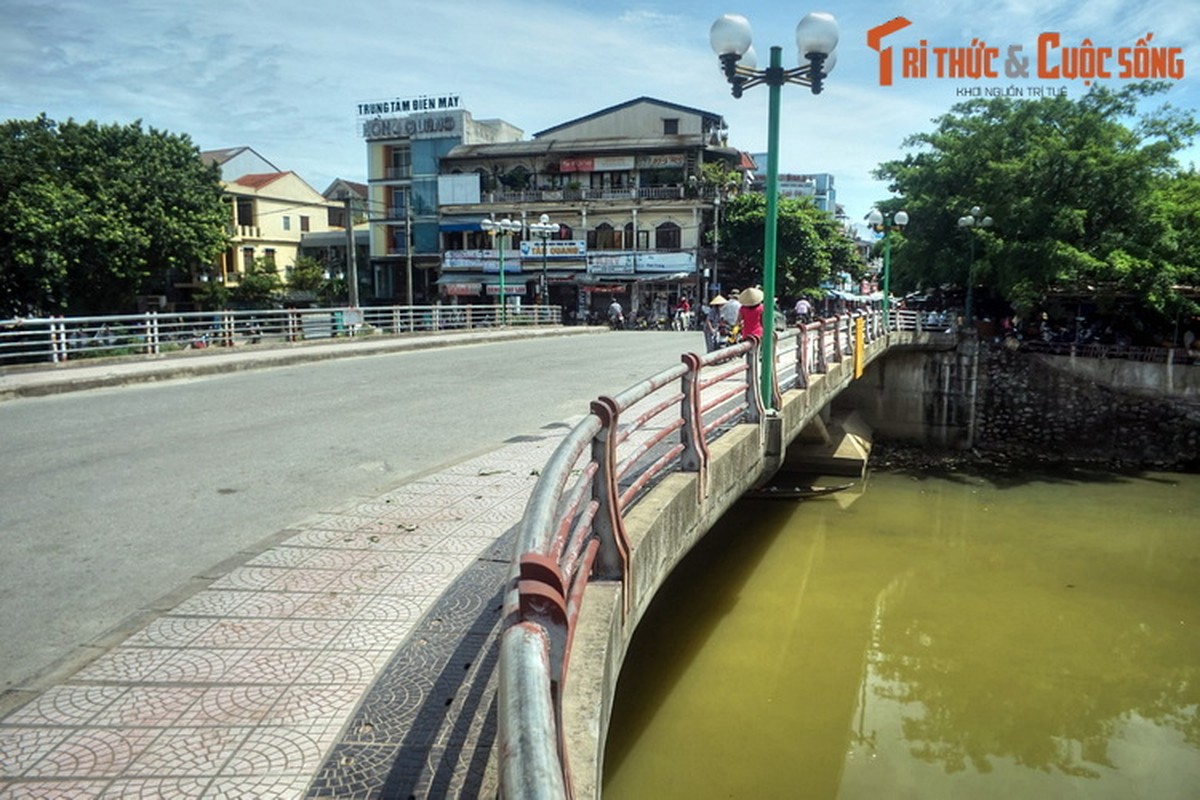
<point>502,229</point>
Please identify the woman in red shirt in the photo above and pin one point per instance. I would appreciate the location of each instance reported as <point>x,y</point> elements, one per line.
<point>751,313</point>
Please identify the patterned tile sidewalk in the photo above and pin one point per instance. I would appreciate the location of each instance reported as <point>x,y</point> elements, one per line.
<point>326,666</point>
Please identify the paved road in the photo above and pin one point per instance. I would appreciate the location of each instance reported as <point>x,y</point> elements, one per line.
<point>112,500</point>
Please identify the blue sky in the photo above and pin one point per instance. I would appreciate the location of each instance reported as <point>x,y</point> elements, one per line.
<point>284,77</point>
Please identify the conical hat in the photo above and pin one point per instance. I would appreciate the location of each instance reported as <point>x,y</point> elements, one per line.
<point>751,297</point>
<point>718,301</point>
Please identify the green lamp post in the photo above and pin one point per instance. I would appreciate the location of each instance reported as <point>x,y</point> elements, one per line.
<point>816,38</point>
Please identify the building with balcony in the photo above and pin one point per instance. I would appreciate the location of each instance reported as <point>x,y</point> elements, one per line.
<point>406,140</point>
<point>622,185</point>
<point>270,212</point>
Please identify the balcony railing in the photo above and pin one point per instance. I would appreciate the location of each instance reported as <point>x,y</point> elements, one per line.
<point>566,195</point>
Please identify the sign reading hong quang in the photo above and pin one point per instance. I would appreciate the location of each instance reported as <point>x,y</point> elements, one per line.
<point>412,117</point>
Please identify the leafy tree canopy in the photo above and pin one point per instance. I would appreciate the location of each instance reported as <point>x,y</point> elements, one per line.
<point>1086,197</point>
<point>93,215</point>
<point>810,246</point>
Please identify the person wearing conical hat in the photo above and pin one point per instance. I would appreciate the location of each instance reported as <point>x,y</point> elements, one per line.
<point>712,323</point>
<point>751,313</point>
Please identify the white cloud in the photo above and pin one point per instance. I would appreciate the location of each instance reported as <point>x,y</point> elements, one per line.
<point>284,76</point>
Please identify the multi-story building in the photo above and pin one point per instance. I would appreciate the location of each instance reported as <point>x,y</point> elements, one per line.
<point>817,186</point>
<point>406,140</point>
<point>270,211</point>
<point>622,185</point>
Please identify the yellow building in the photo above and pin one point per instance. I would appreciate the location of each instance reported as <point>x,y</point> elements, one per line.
<point>270,212</point>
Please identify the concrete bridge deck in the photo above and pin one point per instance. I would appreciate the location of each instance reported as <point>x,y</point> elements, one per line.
<point>282,678</point>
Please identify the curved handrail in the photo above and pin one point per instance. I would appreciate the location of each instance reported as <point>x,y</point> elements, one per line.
<point>573,532</point>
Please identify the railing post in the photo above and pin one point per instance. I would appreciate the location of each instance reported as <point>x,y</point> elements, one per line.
<point>612,560</point>
<point>58,340</point>
<point>151,325</point>
<point>776,394</point>
<point>822,365</point>
<point>802,357</point>
<point>694,457</point>
<point>755,410</point>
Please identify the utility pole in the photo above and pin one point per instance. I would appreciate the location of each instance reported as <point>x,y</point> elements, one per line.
<point>408,243</point>
<point>351,261</point>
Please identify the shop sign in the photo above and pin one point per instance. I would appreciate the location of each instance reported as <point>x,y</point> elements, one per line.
<point>610,264</point>
<point>480,261</point>
<point>555,248</point>
<point>511,288</point>
<point>462,289</point>
<point>661,160</point>
<point>666,262</point>
<point>414,126</point>
<point>598,164</point>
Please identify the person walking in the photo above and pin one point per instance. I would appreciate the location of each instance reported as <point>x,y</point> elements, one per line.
<point>730,317</point>
<point>715,331</point>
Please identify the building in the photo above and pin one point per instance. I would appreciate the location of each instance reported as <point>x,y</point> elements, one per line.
<point>622,185</point>
<point>270,212</point>
<point>406,140</point>
<point>347,194</point>
<point>816,186</point>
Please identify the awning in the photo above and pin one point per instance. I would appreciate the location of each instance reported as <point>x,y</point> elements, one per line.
<point>458,224</point>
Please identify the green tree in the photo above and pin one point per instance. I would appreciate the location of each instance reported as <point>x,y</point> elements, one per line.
<point>811,246</point>
<point>1077,190</point>
<point>93,215</point>
<point>259,286</point>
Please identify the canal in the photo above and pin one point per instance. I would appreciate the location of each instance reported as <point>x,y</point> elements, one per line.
<point>933,636</point>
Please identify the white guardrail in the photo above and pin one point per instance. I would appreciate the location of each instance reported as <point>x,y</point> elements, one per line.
<point>60,339</point>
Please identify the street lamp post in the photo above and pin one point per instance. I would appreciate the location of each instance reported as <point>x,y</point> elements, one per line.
<point>499,230</point>
<point>544,229</point>
<point>880,223</point>
<point>970,221</point>
<point>816,38</point>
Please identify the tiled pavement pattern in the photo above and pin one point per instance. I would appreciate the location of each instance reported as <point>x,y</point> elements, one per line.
<point>253,686</point>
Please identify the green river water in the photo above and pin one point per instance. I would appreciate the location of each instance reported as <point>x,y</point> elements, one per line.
<point>1023,635</point>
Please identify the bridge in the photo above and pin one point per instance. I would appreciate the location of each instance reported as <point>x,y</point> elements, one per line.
<point>624,498</point>
<point>627,492</point>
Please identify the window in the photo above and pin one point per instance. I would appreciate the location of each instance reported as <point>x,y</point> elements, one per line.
<point>304,224</point>
<point>245,211</point>
<point>247,258</point>
<point>399,163</point>
<point>602,238</point>
<point>287,223</point>
<point>668,236</point>
<point>671,126</point>
<point>269,256</point>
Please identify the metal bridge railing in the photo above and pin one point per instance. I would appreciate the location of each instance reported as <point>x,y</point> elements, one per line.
<point>573,528</point>
<point>61,339</point>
